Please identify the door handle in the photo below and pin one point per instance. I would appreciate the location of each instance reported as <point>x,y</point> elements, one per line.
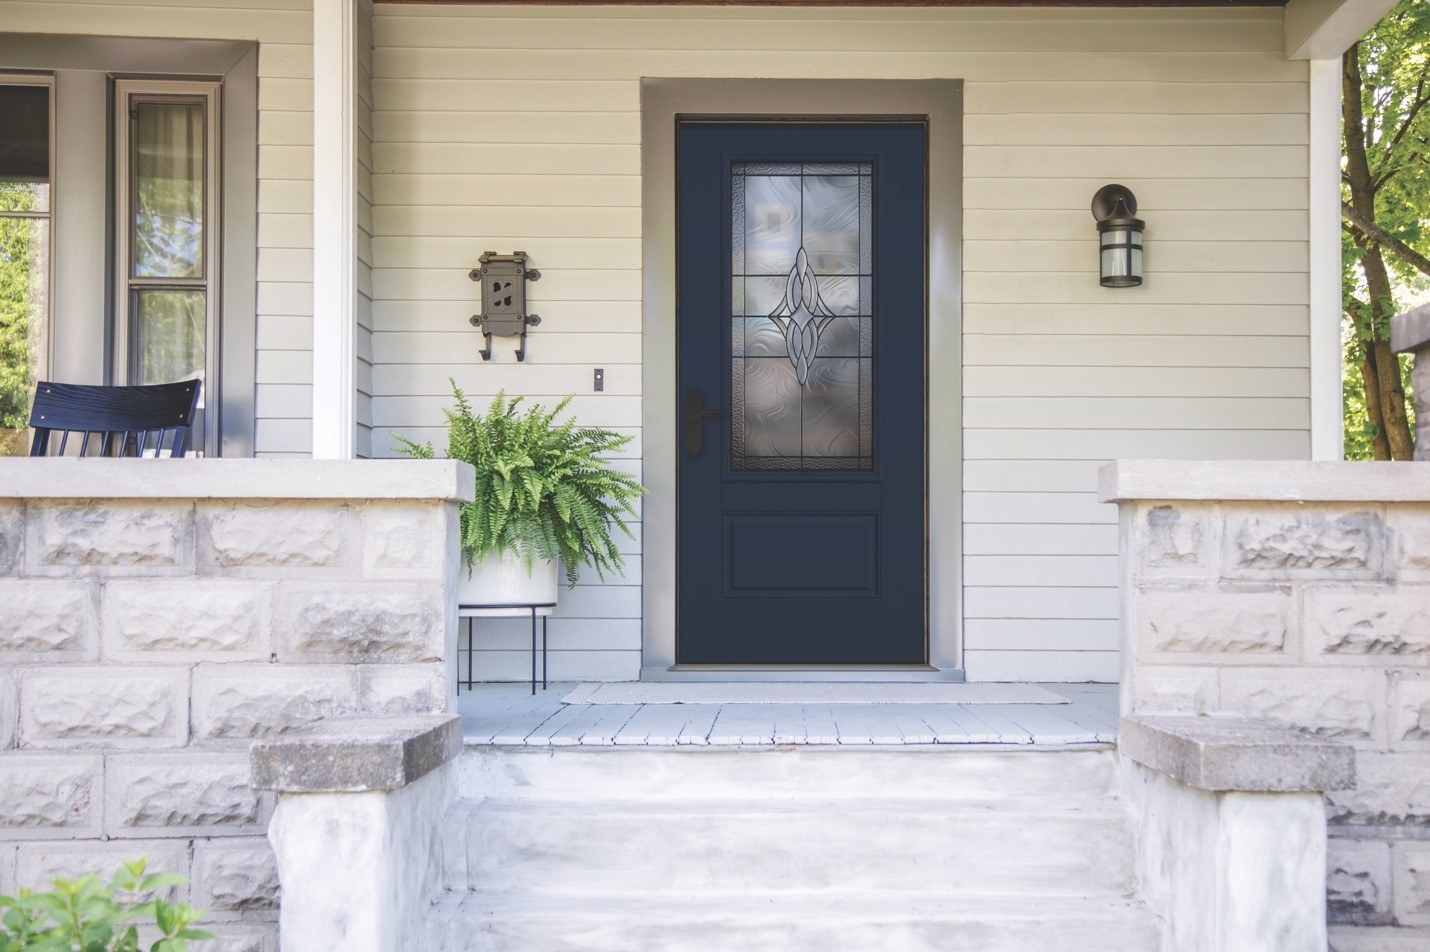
<point>695,417</point>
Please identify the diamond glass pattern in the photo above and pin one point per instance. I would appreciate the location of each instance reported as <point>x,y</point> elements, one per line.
<point>801,327</point>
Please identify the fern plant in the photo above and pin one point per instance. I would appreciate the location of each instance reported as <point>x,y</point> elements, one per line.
<point>544,489</point>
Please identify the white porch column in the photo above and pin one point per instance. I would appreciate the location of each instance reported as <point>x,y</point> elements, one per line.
<point>1324,249</point>
<point>335,40</point>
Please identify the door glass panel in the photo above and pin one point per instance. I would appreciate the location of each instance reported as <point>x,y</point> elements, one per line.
<point>169,331</point>
<point>802,321</point>
<point>168,190</point>
<point>24,254</point>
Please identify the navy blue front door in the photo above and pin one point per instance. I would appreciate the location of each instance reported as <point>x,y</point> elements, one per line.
<point>800,326</point>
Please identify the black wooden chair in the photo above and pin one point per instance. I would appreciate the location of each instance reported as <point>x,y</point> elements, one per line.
<point>129,421</point>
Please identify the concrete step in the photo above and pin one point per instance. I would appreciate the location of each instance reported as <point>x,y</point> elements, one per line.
<point>682,773</point>
<point>1033,847</point>
<point>810,922</point>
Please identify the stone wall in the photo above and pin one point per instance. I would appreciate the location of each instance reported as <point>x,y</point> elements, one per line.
<point>156,618</point>
<point>1298,593</point>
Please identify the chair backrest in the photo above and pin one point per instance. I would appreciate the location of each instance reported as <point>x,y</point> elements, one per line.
<point>129,421</point>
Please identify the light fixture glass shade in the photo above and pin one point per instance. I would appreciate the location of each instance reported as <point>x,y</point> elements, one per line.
<point>1120,238</point>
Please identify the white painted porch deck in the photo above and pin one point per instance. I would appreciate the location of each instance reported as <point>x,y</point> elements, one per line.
<point>507,715</point>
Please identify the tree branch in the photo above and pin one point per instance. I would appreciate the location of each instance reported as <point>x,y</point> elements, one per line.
<point>1419,103</point>
<point>1373,232</point>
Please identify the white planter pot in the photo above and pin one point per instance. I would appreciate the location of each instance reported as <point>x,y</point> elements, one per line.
<point>502,580</point>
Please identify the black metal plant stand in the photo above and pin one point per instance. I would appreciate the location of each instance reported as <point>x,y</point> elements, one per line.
<point>472,612</point>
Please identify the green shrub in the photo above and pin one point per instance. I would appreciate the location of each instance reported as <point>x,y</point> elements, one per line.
<point>86,915</point>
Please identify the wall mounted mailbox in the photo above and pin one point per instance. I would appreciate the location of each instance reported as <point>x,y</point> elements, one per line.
<point>503,282</point>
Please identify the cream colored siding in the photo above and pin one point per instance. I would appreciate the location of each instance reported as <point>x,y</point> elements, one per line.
<point>519,128</point>
<point>283,30</point>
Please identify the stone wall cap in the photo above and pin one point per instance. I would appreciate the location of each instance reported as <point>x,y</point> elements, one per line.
<point>351,755</point>
<point>1263,481</point>
<point>1410,332</point>
<point>71,478</point>
<point>1231,753</point>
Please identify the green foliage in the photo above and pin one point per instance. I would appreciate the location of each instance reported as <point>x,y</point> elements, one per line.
<point>543,488</point>
<point>1394,67</point>
<point>21,286</point>
<point>86,915</point>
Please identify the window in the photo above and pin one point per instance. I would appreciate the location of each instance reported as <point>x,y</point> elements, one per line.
<point>26,171</point>
<point>166,245</point>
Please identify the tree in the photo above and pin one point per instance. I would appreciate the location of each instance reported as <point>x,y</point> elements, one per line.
<point>21,293</point>
<point>1385,112</point>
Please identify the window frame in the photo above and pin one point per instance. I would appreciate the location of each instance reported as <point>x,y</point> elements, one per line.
<point>123,368</point>
<point>85,68</point>
<point>41,370</point>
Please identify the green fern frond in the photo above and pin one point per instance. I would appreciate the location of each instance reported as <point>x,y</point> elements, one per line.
<point>544,487</point>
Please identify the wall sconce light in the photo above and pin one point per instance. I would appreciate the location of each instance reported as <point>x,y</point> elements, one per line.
<point>503,281</point>
<point>1119,234</point>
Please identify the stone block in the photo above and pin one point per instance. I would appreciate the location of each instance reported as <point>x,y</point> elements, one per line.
<point>1410,710</point>
<point>1284,542</point>
<point>8,886</point>
<point>348,755</point>
<point>189,620</point>
<point>39,864</point>
<point>44,796</point>
<point>235,877</point>
<point>241,702</point>
<point>242,937</point>
<point>1177,542</point>
<point>1392,789</point>
<point>1225,622</point>
<point>1336,704</point>
<point>1172,690</point>
<point>1409,526</point>
<point>1412,883</point>
<point>399,690</point>
<point>271,534</point>
<point>114,706</point>
<point>1232,754</point>
<point>1364,624</point>
<point>369,621</point>
<point>9,710</point>
<point>1358,885</point>
<point>1388,939</point>
<point>181,793</point>
<point>108,537</point>
<point>48,620</point>
<point>404,540</point>
<point>12,536</point>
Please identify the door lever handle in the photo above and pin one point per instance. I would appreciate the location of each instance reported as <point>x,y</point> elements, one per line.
<point>695,417</point>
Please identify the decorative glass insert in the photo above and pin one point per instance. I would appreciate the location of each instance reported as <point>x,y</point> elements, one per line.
<point>801,328</point>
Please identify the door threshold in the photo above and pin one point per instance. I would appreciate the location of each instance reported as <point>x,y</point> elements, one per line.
<point>800,672</point>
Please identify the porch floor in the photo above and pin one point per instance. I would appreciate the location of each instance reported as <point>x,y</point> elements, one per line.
<point>508,715</point>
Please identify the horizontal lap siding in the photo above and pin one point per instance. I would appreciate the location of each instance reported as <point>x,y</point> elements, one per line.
<point>519,128</point>
<point>284,31</point>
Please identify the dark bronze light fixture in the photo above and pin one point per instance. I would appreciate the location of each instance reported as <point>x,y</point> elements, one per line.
<point>1119,233</point>
<point>503,279</point>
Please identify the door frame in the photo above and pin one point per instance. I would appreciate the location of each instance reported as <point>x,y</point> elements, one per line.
<point>939,102</point>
